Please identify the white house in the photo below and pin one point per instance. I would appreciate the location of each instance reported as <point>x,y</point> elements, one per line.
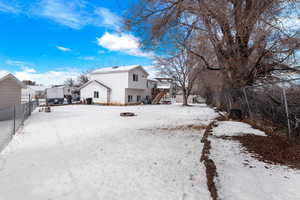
<point>10,90</point>
<point>119,85</point>
<point>33,92</point>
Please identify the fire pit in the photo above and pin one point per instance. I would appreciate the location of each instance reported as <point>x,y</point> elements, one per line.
<point>127,114</point>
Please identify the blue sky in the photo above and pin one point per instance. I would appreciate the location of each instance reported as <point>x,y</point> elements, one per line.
<point>50,40</point>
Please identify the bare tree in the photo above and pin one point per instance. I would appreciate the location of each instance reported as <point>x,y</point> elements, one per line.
<point>182,68</point>
<point>82,79</point>
<point>69,82</point>
<point>250,38</point>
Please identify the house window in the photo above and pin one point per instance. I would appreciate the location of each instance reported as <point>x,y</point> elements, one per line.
<point>130,98</point>
<point>96,94</point>
<point>135,77</point>
<point>138,98</point>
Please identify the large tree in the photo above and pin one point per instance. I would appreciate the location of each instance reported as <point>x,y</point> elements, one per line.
<point>250,38</point>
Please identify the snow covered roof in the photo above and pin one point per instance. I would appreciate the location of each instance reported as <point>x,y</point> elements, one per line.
<point>117,69</point>
<point>94,81</point>
<point>38,87</point>
<point>5,76</point>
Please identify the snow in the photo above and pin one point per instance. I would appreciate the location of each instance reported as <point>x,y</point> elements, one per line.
<point>242,177</point>
<point>232,128</point>
<point>89,152</point>
<point>6,128</point>
<point>116,69</point>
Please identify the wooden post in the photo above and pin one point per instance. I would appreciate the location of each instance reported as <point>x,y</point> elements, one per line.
<point>14,115</point>
<point>245,94</point>
<point>287,113</point>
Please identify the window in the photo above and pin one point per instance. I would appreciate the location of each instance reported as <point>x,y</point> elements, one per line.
<point>135,77</point>
<point>130,98</point>
<point>138,98</point>
<point>96,94</point>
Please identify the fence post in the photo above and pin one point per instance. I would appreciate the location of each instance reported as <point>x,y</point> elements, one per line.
<point>14,130</point>
<point>245,94</point>
<point>287,113</point>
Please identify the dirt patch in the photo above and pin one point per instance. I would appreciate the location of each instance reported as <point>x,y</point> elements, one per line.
<point>211,170</point>
<point>273,149</point>
<point>185,127</point>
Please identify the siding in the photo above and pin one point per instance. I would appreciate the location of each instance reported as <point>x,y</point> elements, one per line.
<point>88,92</point>
<point>117,82</point>
<point>142,79</point>
<point>10,93</point>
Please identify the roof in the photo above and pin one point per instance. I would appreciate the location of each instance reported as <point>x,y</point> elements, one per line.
<point>5,76</point>
<point>3,73</point>
<point>38,87</point>
<point>94,81</point>
<point>117,69</point>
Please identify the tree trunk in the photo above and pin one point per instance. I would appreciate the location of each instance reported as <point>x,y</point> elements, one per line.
<point>185,98</point>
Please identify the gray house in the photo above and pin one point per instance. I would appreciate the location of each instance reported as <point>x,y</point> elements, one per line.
<point>10,90</point>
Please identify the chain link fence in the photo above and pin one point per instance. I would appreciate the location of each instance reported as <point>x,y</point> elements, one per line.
<point>12,118</point>
<point>278,103</point>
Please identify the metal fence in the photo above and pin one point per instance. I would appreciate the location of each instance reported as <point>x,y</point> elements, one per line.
<point>278,103</point>
<point>12,118</point>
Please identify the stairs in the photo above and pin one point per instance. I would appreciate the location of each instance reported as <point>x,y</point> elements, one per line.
<point>158,97</point>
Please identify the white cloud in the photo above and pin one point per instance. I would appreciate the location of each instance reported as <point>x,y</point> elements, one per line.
<point>68,13</point>
<point>53,77</point>
<point>9,8</point>
<point>124,43</point>
<point>107,18</point>
<point>76,14</point>
<point>3,73</point>
<point>64,49</point>
<point>18,63</point>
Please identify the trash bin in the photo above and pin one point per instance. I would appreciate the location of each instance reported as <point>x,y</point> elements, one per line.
<point>89,101</point>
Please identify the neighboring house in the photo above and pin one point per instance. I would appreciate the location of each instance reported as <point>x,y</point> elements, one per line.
<point>165,91</point>
<point>57,94</point>
<point>119,85</point>
<point>33,92</point>
<point>10,90</point>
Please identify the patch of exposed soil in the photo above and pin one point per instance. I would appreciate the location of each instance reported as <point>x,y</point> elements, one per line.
<point>271,149</point>
<point>185,127</point>
<point>211,170</point>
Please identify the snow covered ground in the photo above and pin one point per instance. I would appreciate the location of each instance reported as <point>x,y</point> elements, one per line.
<point>6,128</point>
<point>242,177</point>
<point>89,152</point>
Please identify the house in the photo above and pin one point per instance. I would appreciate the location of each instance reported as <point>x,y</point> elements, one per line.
<point>119,85</point>
<point>10,90</point>
<point>33,92</point>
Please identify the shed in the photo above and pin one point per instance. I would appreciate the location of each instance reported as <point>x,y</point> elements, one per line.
<point>10,90</point>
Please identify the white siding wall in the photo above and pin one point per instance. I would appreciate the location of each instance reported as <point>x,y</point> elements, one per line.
<point>88,92</point>
<point>10,93</point>
<point>117,82</point>
<point>134,93</point>
<point>142,79</point>
<point>26,93</point>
